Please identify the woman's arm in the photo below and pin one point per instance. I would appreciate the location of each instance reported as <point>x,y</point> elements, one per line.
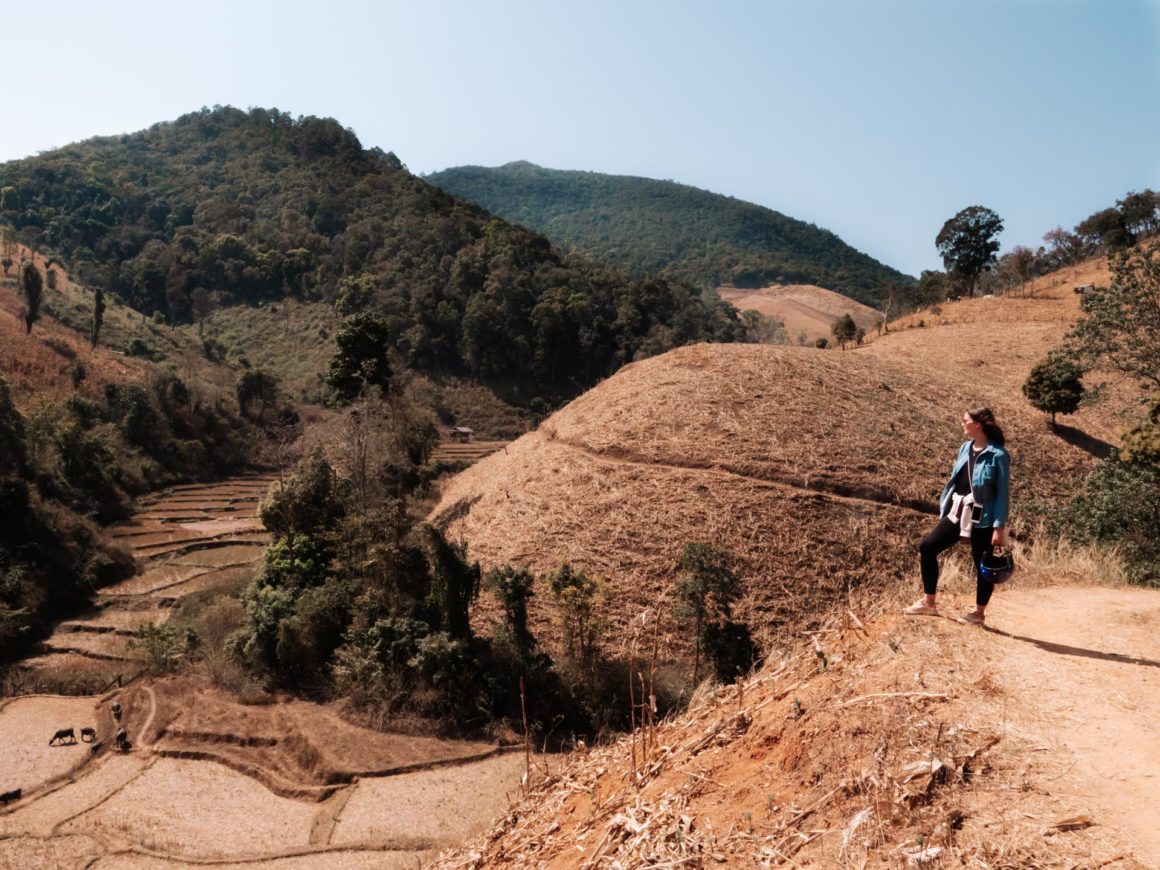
<point>1002,499</point>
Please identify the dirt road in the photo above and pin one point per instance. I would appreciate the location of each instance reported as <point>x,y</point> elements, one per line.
<point>1084,666</point>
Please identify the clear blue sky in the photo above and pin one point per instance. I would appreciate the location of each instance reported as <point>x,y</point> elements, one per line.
<point>877,119</point>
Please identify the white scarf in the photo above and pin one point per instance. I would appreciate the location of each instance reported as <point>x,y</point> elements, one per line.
<point>960,512</point>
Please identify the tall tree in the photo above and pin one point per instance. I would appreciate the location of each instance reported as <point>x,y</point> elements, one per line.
<point>32,283</point>
<point>98,317</point>
<point>1106,229</point>
<point>968,243</point>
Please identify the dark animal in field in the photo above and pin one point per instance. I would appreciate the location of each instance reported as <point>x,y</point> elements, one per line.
<point>117,711</point>
<point>122,739</point>
<point>13,795</point>
<point>62,735</point>
<point>88,735</point>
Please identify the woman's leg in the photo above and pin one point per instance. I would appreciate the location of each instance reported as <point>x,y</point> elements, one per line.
<point>980,544</point>
<point>942,537</point>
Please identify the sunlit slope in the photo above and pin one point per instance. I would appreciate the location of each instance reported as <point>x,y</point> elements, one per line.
<point>818,469</point>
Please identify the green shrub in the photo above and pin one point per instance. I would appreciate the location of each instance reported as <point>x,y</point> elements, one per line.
<point>579,602</point>
<point>1119,505</point>
<point>706,592</point>
<point>311,500</point>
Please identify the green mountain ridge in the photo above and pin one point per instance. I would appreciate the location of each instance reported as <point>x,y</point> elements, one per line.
<point>226,207</point>
<point>649,226</point>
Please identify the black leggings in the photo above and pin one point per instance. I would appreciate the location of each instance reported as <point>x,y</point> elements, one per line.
<point>944,536</point>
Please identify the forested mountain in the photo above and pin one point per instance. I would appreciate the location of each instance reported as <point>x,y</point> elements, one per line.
<point>647,226</point>
<point>226,207</point>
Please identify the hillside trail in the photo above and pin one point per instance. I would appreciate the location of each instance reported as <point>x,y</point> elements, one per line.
<point>1082,667</point>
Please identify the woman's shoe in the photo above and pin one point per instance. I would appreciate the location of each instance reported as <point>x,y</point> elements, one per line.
<point>972,618</point>
<point>921,608</point>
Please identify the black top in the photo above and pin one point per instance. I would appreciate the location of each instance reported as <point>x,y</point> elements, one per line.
<point>963,478</point>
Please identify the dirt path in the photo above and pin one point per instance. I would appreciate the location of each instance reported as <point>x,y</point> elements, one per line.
<point>800,482</point>
<point>1083,665</point>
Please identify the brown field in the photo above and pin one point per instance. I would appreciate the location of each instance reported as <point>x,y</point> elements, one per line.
<point>471,451</point>
<point>808,311</point>
<point>154,810</point>
<point>26,725</point>
<point>225,555</point>
<point>430,809</point>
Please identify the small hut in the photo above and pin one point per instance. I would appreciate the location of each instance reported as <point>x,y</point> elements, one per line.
<point>461,434</point>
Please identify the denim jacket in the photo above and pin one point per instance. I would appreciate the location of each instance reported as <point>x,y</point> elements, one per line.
<point>991,482</point>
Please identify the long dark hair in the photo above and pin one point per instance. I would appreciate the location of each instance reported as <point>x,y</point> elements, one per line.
<point>991,428</point>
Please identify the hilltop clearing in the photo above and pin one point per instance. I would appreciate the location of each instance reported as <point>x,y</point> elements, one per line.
<point>648,226</point>
<point>912,743</point>
<point>807,311</point>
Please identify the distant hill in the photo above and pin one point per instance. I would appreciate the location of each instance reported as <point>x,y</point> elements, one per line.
<point>807,311</point>
<point>647,226</point>
<point>225,207</point>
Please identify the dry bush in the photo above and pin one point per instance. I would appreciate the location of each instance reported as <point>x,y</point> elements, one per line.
<point>214,625</point>
<point>1045,559</point>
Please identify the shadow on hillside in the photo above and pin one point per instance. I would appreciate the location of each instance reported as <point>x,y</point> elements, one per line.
<point>1097,447</point>
<point>1078,651</point>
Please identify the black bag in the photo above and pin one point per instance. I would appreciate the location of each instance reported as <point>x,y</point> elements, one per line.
<point>997,565</point>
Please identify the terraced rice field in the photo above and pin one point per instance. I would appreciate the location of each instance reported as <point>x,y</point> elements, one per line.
<point>191,537</point>
<point>290,786</point>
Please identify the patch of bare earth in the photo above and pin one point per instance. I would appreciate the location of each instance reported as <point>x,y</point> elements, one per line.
<point>27,725</point>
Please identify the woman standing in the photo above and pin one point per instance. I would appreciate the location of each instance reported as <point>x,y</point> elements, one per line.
<point>973,505</point>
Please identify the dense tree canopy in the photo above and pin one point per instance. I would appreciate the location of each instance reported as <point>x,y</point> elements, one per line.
<point>649,226</point>
<point>226,207</point>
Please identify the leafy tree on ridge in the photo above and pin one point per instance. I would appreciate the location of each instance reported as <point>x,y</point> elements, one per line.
<point>968,243</point>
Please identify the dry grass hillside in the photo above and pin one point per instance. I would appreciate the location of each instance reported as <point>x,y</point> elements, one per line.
<point>869,739</point>
<point>41,363</point>
<point>818,469</point>
<point>896,744</point>
<point>808,311</point>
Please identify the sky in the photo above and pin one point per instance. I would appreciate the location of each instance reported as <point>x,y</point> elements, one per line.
<point>876,119</point>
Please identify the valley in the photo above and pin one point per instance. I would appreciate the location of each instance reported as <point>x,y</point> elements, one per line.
<point>209,777</point>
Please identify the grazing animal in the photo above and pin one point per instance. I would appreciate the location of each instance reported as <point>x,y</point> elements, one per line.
<point>88,735</point>
<point>117,711</point>
<point>13,795</point>
<point>62,735</point>
<point>122,739</point>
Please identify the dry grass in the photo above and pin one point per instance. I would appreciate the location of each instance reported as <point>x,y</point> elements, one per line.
<point>419,802</point>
